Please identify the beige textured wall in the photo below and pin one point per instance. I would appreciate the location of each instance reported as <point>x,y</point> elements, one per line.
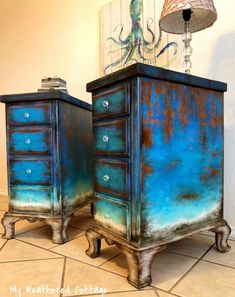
<point>46,38</point>
<point>61,37</point>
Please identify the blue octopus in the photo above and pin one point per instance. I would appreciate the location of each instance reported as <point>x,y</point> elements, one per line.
<point>135,43</point>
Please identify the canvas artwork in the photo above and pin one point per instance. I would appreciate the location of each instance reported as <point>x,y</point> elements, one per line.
<point>130,33</point>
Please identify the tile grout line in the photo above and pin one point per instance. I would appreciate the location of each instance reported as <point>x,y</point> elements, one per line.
<point>3,245</point>
<point>29,230</point>
<point>29,260</point>
<point>116,292</point>
<point>116,273</point>
<point>156,292</point>
<point>219,264</point>
<point>58,244</point>
<point>62,256</point>
<point>62,277</point>
<point>177,253</point>
<point>229,238</point>
<point>164,291</point>
<point>190,269</point>
<point>67,241</point>
<point>99,266</point>
<point>75,228</point>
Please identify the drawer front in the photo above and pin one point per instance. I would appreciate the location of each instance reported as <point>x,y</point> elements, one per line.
<point>114,102</point>
<point>112,138</point>
<point>112,178</point>
<point>112,216</point>
<point>29,114</point>
<point>30,141</point>
<point>33,199</point>
<point>30,172</point>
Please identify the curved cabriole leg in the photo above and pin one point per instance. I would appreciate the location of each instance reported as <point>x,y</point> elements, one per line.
<point>92,209</point>
<point>109,241</point>
<point>221,238</point>
<point>139,265</point>
<point>8,223</point>
<point>64,228</point>
<point>59,229</point>
<point>94,240</point>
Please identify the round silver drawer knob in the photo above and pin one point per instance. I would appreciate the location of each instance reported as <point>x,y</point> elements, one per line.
<point>27,141</point>
<point>28,171</point>
<point>105,104</point>
<point>105,138</point>
<point>26,115</point>
<point>106,178</point>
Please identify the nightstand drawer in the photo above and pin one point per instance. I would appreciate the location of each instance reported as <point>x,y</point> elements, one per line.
<point>114,216</point>
<point>30,171</point>
<point>29,114</point>
<point>33,199</point>
<point>112,103</point>
<point>30,141</point>
<point>112,138</point>
<point>112,178</point>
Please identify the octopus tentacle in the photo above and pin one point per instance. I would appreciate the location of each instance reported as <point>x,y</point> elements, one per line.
<point>130,54</point>
<point>175,46</point>
<point>150,50</point>
<point>170,44</point>
<point>120,34</point>
<point>120,42</point>
<point>118,61</point>
<point>118,49</point>
<point>148,43</point>
<point>140,53</point>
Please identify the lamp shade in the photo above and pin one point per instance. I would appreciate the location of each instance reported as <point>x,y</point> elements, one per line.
<point>203,15</point>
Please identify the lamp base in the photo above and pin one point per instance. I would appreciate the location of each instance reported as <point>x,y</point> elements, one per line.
<point>187,37</point>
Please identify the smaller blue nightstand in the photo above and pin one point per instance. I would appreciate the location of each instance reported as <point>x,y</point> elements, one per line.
<point>49,149</point>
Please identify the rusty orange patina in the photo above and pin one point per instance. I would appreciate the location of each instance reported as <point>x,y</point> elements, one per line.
<point>210,172</point>
<point>145,170</point>
<point>189,105</point>
<point>168,120</point>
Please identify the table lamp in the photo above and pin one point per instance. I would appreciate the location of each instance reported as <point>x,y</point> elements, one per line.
<point>185,17</point>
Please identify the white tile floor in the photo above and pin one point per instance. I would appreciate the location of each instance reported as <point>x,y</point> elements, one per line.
<point>188,268</point>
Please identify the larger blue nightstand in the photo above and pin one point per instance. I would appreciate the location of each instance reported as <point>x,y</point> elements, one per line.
<point>158,140</point>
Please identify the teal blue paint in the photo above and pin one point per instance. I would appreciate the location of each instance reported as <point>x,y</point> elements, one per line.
<point>186,183</point>
<point>117,182</point>
<point>36,114</point>
<point>76,156</point>
<point>116,139</point>
<point>116,103</point>
<point>111,215</point>
<point>38,141</point>
<point>34,198</point>
<point>40,172</point>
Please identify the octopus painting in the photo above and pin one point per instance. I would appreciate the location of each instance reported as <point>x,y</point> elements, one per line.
<point>135,47</point>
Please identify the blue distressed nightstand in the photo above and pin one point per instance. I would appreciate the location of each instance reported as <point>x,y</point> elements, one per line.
<point>49,152</point>
<point>158,140</point>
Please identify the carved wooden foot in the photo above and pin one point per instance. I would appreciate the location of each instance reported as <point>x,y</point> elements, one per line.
<point>221,237</point>
<point>8,223</point>
<point>59,229</point>
<point>139,265</point>
<point>92,209</point>
<point>94,240</point>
